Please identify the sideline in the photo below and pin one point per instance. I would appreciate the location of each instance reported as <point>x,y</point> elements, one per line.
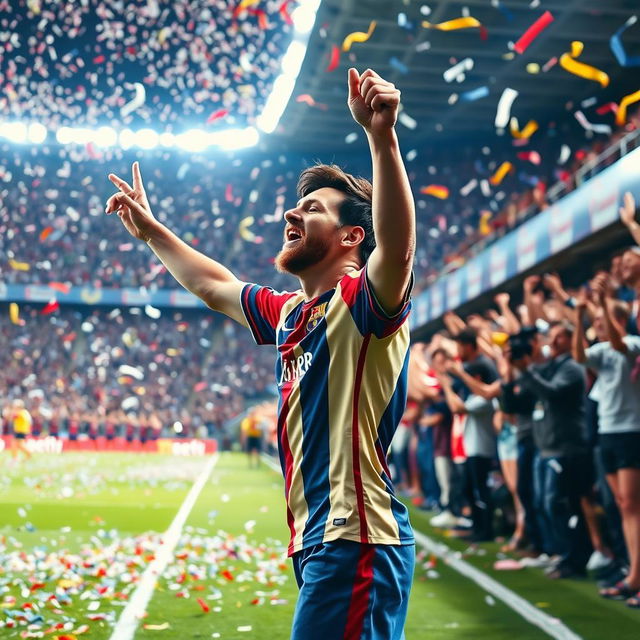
<point>131,614</point>
<point>551,626</point>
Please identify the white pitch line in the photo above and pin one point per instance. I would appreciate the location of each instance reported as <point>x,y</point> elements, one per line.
<point>131,614</point>
<point>271,463</point>
<point>551,626</point>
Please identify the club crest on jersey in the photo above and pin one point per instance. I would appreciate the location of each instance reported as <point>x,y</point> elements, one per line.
<point>317,313</point>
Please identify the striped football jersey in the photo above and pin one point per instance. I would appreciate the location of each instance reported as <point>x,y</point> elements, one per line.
<point>342,379</point>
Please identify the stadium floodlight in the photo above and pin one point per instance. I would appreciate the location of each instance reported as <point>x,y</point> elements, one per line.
<point>167,139</point>
<point>193,140</point>
<point>14,131</point>
<point>147,139</point>
<point>63,135</point>
<point>105,137</point>
<point>304,16</point>
<point>126,139</point>
<point>81,135</point>
<point>292,59</point>
<point>232,139</point>
<point>276,103</point>
<point>37,133</point>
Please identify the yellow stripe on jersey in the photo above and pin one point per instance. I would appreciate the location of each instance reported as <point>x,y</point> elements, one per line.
<point>376,390</point>
<point>344,348</point>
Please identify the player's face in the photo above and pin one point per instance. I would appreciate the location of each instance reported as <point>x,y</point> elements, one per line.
<point>311,232</point>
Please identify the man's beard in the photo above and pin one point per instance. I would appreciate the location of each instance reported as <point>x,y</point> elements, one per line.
<point>305,254</point>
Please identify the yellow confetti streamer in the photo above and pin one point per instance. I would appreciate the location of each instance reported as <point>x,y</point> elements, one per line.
<point>19,266</point>
<point>358,36</point>
<point>529,129</point>
<point>247,3</point>
<point>500,174</point>
<point>453,25</point>
<point>485,227</point>
<point>14,313</point>
<point>568,63</point>
<point>621,116</point>
<point>244,231</point>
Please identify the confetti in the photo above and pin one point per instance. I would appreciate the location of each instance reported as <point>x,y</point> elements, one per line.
<point>62,287</point>
<point>484,228</point>
<point>308,99</point>
<point>529,129</point>
<point>596,128</point>
<point>533,67</point>
<point>435,190</point>
<point>530,156</point>
<point>14,313</point>
<point>603,109</point>
<point>218,114</point>
<point>284,12</point>
<point>474,94</point>
<point>570,64</point>
<point>621,115</point>
<point>500,173</point>
<point>624,60</point>
<point>19,266</point>
<point>203,605</point>
<point>358,36</point>
<point>398,65</point>
<point>334,59</point>
<point>45,233</point>
<point>453,25</point>
<point>469,187</point>
<point>137,101</point>
<point>504,107</point>
<point>565,153</point>
<point>533,32</point>
<point>246,233</point>
<point>406,120</point>
<point>552,62</point>
<point>458,70</point>
<point>156,627</point>
<point>351,137</point>
<point>50,307</point>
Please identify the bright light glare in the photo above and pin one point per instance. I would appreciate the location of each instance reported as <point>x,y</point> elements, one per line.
<point>37,133</point>
<point>236,138</point>
<point>105,137</point>
<point>167,139</point>
<point>276,103</point>
<point>292,60</point>
<point>304,16</point>
<point>14,131</point>
<point>63,135</point>
<point>193,140</point>
<point>147,138</point>
<point>127,139</point>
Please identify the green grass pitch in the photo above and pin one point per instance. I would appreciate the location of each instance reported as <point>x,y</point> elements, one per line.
<point>78,530</point>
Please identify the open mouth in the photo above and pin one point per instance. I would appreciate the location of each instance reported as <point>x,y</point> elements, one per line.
<point>292,235</point>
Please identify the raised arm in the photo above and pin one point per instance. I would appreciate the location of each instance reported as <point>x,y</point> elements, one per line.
<point>628,217</point>
<point>578,339</point>
<point>601,286</point>
<point>511,324</point>
<point>209,280</point>
<point>374,105</point>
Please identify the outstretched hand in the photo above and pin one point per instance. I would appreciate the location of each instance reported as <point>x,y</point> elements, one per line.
<point>628,209</point>
<point>373,102</point>
<point>131,205</point>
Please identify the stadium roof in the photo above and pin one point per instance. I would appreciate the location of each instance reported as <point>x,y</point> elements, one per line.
<point>415,58</point>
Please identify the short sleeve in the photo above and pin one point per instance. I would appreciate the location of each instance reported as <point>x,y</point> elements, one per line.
<point>594,355</point>
<point>262,307</point>
<point>477,404</point>
<point>633,345</point>
<point>367,313</point>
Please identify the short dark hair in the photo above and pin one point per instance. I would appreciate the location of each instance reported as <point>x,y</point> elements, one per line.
<point>467,336</point>
<point>355,209</point>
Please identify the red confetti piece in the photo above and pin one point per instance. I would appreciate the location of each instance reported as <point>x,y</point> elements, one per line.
<point>99,59</point>
<point>308,99</point>
<point>50,307</point>
<point>533,32</point>
<point>484,34</point>
<point>216,115</point>
<point>531,156</point>
<point>228,193</point>
<point>227,575</point>
<point>607,108</point>
<point>200,386</point>
<point>285,13</point>
<point>203,605</point>
<point>334,60</point>
<point>263,23</point>
<point>45,233</point>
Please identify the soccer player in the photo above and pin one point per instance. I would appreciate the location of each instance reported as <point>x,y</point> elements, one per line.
<point>251,435</point>
<point>21,421</point>
<point>342,342</point>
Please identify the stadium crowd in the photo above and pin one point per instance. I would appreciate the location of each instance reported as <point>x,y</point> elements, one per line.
<point>52,208</point>
<point>119,373</point>
<point>525,420</point>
